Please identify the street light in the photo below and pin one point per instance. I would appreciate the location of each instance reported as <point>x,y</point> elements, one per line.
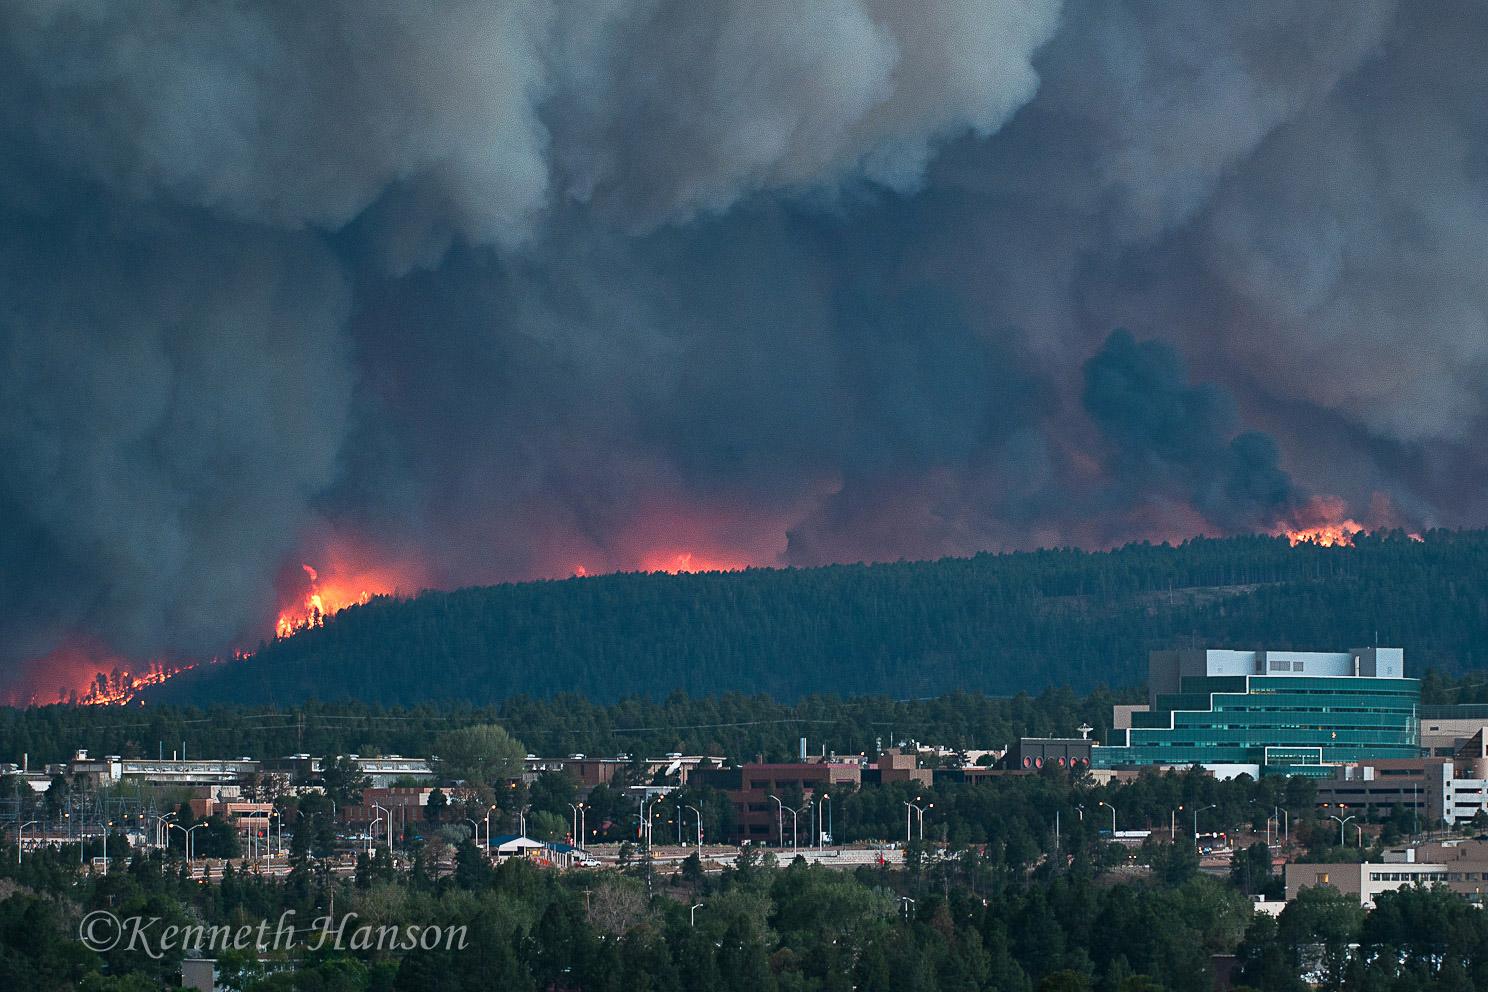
<point>188,833</point>
<point>827,802</point>
<point>694,913</point>
<point>921,813</point>
<point>779,820</point>
<point>1197,811</point>
<point>1113,817</point>
<point>646,820</point>
<point>795,836</point>
<point>487,818</point>
<point>1341,822</point>
<point>20,832</point>
<point>388,819</point>
<point>578,837</point>
<point>700,825</point>
<point>162,837</point>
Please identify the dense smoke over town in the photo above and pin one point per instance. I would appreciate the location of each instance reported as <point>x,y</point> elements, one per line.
<point>478,291</point>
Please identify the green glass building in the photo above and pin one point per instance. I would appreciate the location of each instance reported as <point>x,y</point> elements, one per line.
<point>1269,712</point>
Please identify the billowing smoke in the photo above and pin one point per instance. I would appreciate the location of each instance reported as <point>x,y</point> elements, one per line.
<point>513,288</point>
<point>1170,437</point>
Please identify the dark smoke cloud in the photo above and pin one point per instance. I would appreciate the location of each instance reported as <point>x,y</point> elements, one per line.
<point>1166,433</point>
<point>489,290</point>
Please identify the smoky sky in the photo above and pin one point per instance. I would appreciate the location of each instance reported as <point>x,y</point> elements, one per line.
<point>476,291</point>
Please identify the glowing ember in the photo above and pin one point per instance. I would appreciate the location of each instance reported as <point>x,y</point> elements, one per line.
<point>120,687</point>
<point>86,673</point>
<point>324,599</point>
<point>1324,521</point>
<point>690,561</point>
<point>1339,535</point>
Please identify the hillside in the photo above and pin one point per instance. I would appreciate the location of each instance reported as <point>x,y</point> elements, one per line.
<point>995,623</point>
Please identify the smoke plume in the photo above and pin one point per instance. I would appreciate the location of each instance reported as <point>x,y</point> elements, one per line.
<point>495,289</point>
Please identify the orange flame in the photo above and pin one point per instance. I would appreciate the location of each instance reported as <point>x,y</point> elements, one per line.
<point>1324,521</point>
<point>324,599</point>
<point>1339,535</point>
<point>675,563</point>
<point>87,674</point>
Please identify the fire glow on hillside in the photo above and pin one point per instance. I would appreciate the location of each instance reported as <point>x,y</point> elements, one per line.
<point>86,673</point>
<point>1327,536</point>
<point>323,600</point>
<point>1324,521</point>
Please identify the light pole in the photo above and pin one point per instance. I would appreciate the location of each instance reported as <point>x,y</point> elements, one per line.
<point>700,826</point>
<point>1282,820</point>
<point>578,837</point>
<point>372,834</point>
<point>694,913</point>
<point>780,820</point>
<point>1197,811</point>
<point>474,831</point>
<point>827,803</point>
<point>487,818</point>
<point>20,832</point>
<point>920,812</point>
<point>1113,817</point>
<point>794,835</point>
<point>1341,822</point>
<point>387,818</point>
<point>646,820</point>
<point>188,833</point>
<point>162,837</point>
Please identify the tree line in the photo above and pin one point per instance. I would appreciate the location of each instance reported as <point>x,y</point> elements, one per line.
<point>995,623</point>
<point>1002,895</point>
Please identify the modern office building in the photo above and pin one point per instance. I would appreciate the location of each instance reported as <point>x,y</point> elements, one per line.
<point>1376,786</point>
<point>1264,712</point>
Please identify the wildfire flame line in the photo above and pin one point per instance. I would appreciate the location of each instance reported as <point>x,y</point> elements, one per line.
<point>321,601</point>
<point>120,687</point>
<point>1339,535</point>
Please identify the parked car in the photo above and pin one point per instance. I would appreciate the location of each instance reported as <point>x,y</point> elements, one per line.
<point>589,863</point>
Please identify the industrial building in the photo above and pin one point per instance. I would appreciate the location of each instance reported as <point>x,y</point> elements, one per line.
<point>1269,712</point>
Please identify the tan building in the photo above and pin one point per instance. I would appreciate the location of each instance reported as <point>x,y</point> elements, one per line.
<point>1443,738</point>
<point>897,766</point>
<point>1461,867</point>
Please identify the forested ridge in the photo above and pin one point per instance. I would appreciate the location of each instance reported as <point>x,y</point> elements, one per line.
<point>994,623</point>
